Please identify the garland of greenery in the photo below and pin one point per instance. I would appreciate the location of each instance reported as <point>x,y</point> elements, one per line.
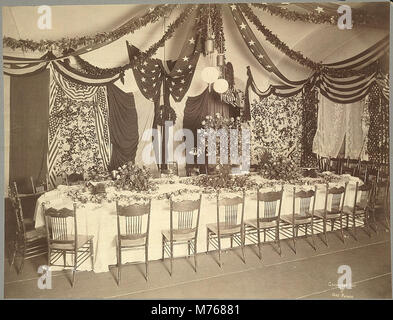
<point>378,133</point>
<point>93,70</point>
<point>65,43</point>
<point>183,17</point>
<point>298,56</point>
<point>359,17</point>
<point>217,25</point>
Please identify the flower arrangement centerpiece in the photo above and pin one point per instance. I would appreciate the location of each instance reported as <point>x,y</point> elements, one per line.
<point>223,179</point>
<point>133,178</point>
<point>278,167</point>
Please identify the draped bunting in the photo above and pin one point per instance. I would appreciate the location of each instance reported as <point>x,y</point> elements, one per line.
<point>175,76</point>
<point>123,126</point>
<point>78,137</point>
<point>14,66</point>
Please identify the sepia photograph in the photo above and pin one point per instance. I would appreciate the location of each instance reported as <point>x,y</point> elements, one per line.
<point>187,151</point>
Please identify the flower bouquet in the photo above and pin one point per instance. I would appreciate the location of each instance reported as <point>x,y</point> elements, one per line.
<point>133,178</point>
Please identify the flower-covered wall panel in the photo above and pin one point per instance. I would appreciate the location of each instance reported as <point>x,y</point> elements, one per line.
<point>276,124</point>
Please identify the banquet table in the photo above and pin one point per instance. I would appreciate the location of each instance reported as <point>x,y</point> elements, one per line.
<point>100,219</point>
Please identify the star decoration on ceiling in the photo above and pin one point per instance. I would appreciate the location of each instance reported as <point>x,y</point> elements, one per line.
<point>251,43</point>
<point>319,9</point>
<point>191,41</point>
<point>242,26</point>
<point>233,7</point>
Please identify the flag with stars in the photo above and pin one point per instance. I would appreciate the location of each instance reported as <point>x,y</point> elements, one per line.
<point>174,76</point>
<point>257,49</point>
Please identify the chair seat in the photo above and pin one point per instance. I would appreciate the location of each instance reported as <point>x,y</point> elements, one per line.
<point>329,214</point>
<point>36,234</point>
<point>179,236</point>
<point>82,240</point>
<point>133,242</point>
<point>224,229</point>
<point>262,224</point>
<point>349,211</point>
<point>299,219</point>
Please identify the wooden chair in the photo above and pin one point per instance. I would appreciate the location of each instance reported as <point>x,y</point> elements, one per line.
<point>324,163</point>
<point>63,238</point>
<point>13,191</point>
<point>133,225</point>
<point>172,167</point>
<point>361,209</point>
<point>381,201</point>
<point>230,224</point>
<point>349,166</point>
<point>361,171</point>
<point>184,225</point>
<point>269,222</point>
<point>40,189</point>
<point>28,243</point>
<point>303,219</point>
<point>74,179</point>
<point>335,213</point>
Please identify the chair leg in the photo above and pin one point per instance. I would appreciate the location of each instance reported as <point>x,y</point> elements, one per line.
<point>23,260</point>
<point>278,240</point>
<point>171,246</point>
<point>118,263</point>
<point>163,245</point>
<point>188,249</point>
<point>294,238</point>
<point>147,262</point>
<point>312,237</point>
<point>324,232</point>
<point>332,222</point>
<point>207,240</point>
<point>259,244</point>
<point>195,254</point>
<point>64,259</point>
<point>92,254</point>
<point>14,253</point>
<point>354,227</point>
<point>74,268</point>
<point>231,242</point>
<point>219,251</point>
<point>341,230</point>
<point>242,245</point>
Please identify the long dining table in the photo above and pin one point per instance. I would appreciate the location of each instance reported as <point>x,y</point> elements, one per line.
<point>100,219</point>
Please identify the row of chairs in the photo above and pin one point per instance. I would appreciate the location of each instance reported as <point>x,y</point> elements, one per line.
<point>365,170</point>
<point>133,222</point>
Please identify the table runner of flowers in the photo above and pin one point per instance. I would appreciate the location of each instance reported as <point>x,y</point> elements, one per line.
<point>132,184</point>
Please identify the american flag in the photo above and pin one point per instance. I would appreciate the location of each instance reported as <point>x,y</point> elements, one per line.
<point>174,76</point>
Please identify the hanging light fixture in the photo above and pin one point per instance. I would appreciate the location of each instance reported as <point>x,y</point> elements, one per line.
<point>220,86</point>
<point>209,43</point>
<point>210,74</point>
<point>220,55</point>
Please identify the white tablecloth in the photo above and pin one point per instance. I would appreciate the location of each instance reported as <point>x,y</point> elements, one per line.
<point>100,221</point>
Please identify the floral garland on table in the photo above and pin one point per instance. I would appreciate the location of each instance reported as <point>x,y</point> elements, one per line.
<point>276,127</point>
<point>359,17</point>
<point>298,56</point>
<point>152,16</point>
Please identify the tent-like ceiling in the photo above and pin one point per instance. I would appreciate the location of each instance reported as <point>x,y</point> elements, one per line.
<point>320,42</point>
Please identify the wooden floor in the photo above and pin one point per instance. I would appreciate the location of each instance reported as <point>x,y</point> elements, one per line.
<point>307,275</point>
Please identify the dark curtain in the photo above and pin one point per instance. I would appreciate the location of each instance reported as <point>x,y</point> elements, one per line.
<point>207,103</point>
<point>123,126</point>
<point>29,112</point>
